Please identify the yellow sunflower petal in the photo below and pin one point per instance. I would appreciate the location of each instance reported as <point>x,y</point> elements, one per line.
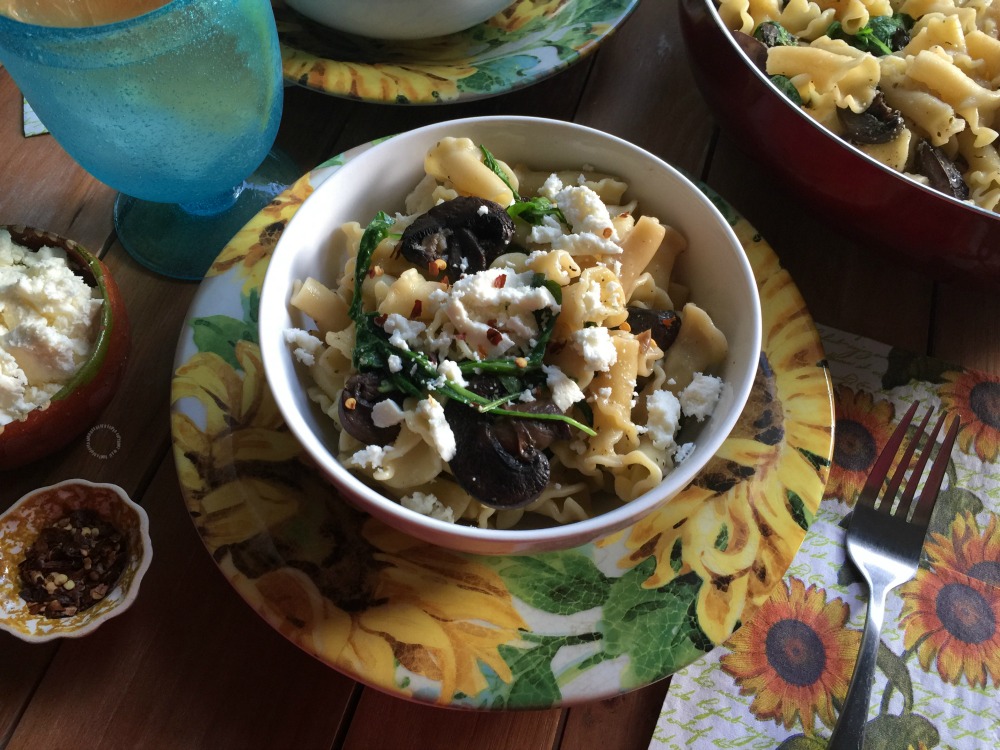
<point>235,511</point>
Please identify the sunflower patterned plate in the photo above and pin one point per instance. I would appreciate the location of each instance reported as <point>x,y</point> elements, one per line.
<point>532,631</point>
<point>529,41</point>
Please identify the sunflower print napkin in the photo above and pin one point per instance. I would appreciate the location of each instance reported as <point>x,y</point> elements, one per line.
<point>780,680</point>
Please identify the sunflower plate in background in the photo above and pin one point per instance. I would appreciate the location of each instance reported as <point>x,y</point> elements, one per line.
<point>530,631</point>
<point>529,41</point>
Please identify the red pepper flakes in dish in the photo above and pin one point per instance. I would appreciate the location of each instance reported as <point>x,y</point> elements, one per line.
<point>72,565</point>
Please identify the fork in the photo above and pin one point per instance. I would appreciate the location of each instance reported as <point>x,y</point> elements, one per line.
<point>885,546</point>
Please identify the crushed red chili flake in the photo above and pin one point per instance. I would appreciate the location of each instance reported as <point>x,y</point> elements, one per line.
<point>494,336</point>
<point>418,307</point>
<point>72,565</point>
<point>500,281</point>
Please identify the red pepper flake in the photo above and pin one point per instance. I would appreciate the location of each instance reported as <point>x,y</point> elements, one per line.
<point>72,565</point>
<point>607,232</point>
<point>494,336</point>
<point>375,271</point>
<point>500,281</point>
<point>418,306</point>
<point>380,320</point>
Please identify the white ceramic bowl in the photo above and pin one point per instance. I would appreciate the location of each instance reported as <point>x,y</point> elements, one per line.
<point>714,266</point>
<point>24,520</point>
<point>399,19</point>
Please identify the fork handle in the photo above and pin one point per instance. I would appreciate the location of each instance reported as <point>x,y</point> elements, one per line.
<point>849,732</point>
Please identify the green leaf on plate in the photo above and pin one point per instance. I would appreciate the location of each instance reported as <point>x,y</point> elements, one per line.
<point>560,582</point>
<point>533,683</point>
<point>220,333</point>
<point>657,628</point>
<point>492,75</point>
<point>888,732</point>
<point>799,511</point>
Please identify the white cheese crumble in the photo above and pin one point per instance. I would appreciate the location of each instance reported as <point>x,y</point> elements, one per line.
<point>492,311</point>
<point>565,392</point>
<point>387,413</point>
<point>431,414</point>
<point>395,363</point>
<point>664,418</point>
<point>305,346</point>
<point>428,505</point>
<point>699,398</point>
<point>402,330</point>
<point>450,370</point>
<point>371,455</point>
<point>596,346</point>
<point>48,322</point>
<point>592,232</point>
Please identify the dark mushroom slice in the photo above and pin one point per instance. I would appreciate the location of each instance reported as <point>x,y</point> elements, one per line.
<point>663,325</point>
<point>360,395</point>
<point>501,461</point>
<point>940,171</point>
<point>468,233</point>
<point>880,123</point>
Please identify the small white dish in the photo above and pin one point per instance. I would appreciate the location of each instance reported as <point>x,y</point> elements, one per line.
<point>399,19</point>
<point>19,528</point>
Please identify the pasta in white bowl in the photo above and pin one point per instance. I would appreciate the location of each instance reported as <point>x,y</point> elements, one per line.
<point>523,334</point>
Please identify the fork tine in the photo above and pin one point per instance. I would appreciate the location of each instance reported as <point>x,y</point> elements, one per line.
<point>928,497</point>
<point>911,486</point>
<point>881,466</point>
<point>897,477</point>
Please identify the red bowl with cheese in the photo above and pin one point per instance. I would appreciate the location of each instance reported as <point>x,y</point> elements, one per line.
<point>78,403</point>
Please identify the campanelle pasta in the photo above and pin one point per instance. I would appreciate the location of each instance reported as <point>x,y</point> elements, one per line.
<point>943,78</point>
<point>565,345</point>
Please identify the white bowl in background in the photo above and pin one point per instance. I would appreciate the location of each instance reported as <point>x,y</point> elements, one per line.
<point>714,267</point>
<point>399,19</point>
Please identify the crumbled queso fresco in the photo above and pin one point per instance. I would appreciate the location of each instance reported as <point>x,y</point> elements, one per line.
<point>48,318</point>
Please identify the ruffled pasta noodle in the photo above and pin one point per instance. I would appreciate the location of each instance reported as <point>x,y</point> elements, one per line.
<point>944,81</point>
<point>603,257</point>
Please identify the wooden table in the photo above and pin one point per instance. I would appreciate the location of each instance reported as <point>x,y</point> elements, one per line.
<point>190,666</point>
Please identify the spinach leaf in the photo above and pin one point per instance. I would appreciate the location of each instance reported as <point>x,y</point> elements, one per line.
<point>785,86</point>
<point>534,210</point>
<point>882,35</point>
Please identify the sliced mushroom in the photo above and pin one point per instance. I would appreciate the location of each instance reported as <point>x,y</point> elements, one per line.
<point>880,123</point>
<point>500,461</point>
<point>467,233</point>
<point>357,400</point>
<point>940,171</point>
<point>663,325</point>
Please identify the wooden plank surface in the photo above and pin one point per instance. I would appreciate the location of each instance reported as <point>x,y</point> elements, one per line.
<point>190,666</point>
<point>213,676</point>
